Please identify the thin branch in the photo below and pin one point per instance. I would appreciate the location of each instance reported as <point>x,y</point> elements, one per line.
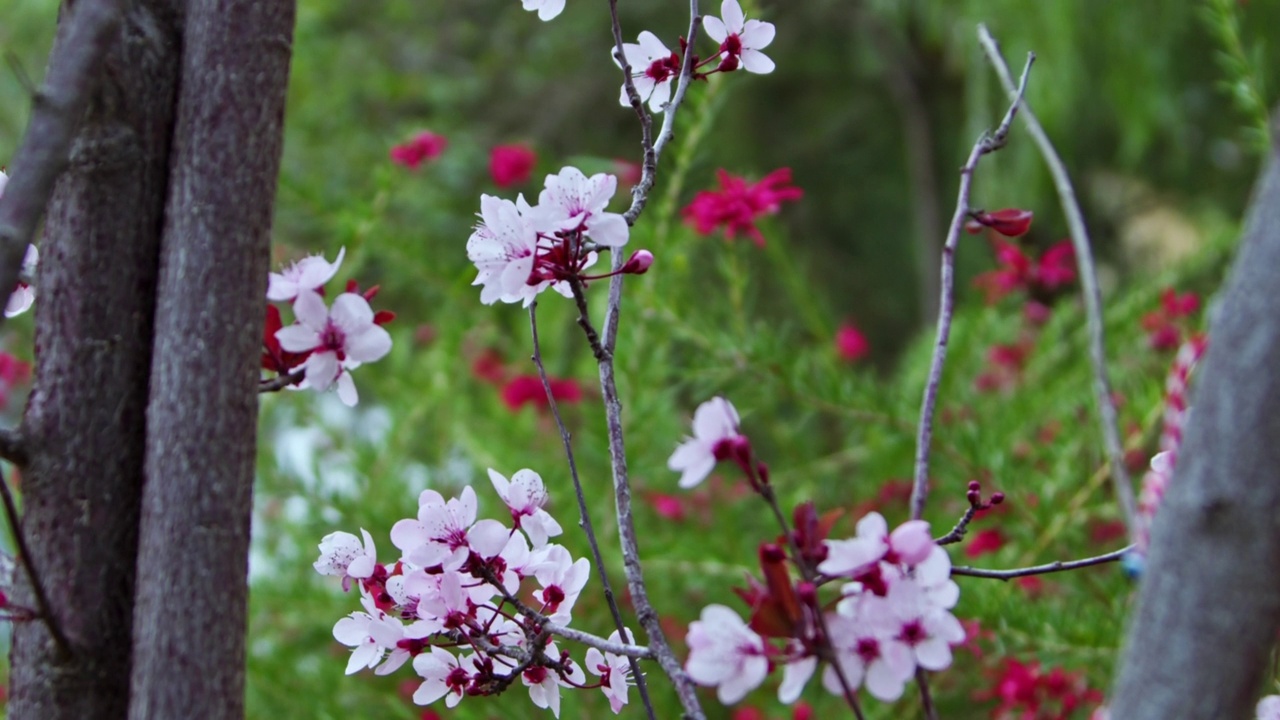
<point>280,382</point>
<point>926,698</point>
<point>583,515</point>
<point>1088,286</point>
<point>24,554</point>
<point>1052,567</point>
<point>986,144</point>
<point>632,651</point>
<point>645,612</point>
<point>13,446</point>
<point>73,74</point>
<point>958,532</point>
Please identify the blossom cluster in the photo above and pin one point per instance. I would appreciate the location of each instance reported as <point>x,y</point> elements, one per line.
<point>451,603</point>
<point>890,617</point>
<point>521,249</point>
<point>325,343</point>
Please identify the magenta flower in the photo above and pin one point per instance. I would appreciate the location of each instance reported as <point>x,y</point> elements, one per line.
<point>737,205</point>
<point>422,147</point>
<point>511,165</point>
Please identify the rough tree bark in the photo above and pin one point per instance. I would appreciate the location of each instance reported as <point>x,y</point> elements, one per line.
<point>85,421</point>
<point>202,420</point>
<point>1209,606</point>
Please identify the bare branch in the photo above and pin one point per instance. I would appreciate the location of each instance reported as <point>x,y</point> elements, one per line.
<point>280,382</point>
<point>1088,285</point>
<point>584,518</point>
<point>988,143</point>
<point>57,110</point>
<point>1052,567</point>
<point>24,555</point>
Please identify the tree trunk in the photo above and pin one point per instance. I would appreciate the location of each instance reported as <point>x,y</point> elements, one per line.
<point>1209,606</point>
<point>189,620</point>
<point>85,421</point>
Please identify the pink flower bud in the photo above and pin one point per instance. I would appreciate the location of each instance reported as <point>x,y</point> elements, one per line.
<point>639,263</point>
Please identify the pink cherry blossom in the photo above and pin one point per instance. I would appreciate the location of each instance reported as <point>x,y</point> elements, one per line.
<point>343,555</point>
<point>443,675</point>
<point>715,430</point>
<point>725,653</point>
<point>503,248</point>
<point>928,629</point>
<point>308,274</point>
<point>614,671</point>
<point>868,651</point>
<point>25,295</point>
<point>910,543</point>
<point>544,683</point>
<point>653,68</point>
<point>547,9</point>
<point>570,200</point>
<point>562,579</point>
<point>371,635</point>
<point>740,39</point>
<point>445,532</point>
<point>525,496</point>
<point>1269,708</point>
<point>338,339</point>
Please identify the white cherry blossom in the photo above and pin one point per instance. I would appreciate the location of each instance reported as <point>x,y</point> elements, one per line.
<point>547,9</point>
<point>725,653</point>
<point>653,68</point>
<point>715,422</point>
<point>504,247</point>
<point>614,671</point>
<point>570,200</point>
<point>741,38</point>
<point>336,338</point>
<point>525,495</point>
<point>306,275</point>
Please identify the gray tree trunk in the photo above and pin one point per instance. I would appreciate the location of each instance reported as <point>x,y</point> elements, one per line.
<point>189,621</point>
<point>85,421</point>
<point>1209,606</point>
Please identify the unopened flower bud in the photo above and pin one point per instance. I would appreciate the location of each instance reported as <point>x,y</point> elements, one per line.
<point>974,486</point>
<point>639,262</point>
<point>997,498</point>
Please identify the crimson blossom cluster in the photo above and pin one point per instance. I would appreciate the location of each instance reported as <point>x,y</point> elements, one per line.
<point>890,616</point>
<point>451,603</point>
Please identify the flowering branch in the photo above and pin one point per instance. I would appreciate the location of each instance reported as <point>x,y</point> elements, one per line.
<point>56,111</point>
<point>645,612</point>
<point>37,587</point>
<point>987,143</point>
<point>1052,567</point>
<point>976,505</point>
<point>587,527</point>
<point>1088,284</point>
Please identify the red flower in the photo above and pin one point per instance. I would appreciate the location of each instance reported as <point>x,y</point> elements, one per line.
<point>13,372</point>
<point>1025,691</point>
<point>670,507</point>
<point>851,344</point>
<point>511,165</point>
<point>738,204</point>
<point>424,146</point>
<point>1166,325</point>
<point>986,541</point>
<point>527,389</point>
<point>1040,278</point>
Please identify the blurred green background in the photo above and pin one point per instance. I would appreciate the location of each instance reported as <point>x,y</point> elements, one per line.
<point>1155,106</point>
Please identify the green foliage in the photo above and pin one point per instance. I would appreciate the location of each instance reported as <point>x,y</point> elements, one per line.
<point>1120,87</point>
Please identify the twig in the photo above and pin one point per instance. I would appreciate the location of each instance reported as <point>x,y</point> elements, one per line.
<point>987,143</point>
<point>1052,567</point>
<point>1088,285</point>
<point>958,532</point>
<point>56,112</point>
<point>24,554</point>
<point>632,651</point>
<point>583,515</point>
<point>645,613</point>
<point>280,382</point>
<point>13,446</point>
<point>926,698</point>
